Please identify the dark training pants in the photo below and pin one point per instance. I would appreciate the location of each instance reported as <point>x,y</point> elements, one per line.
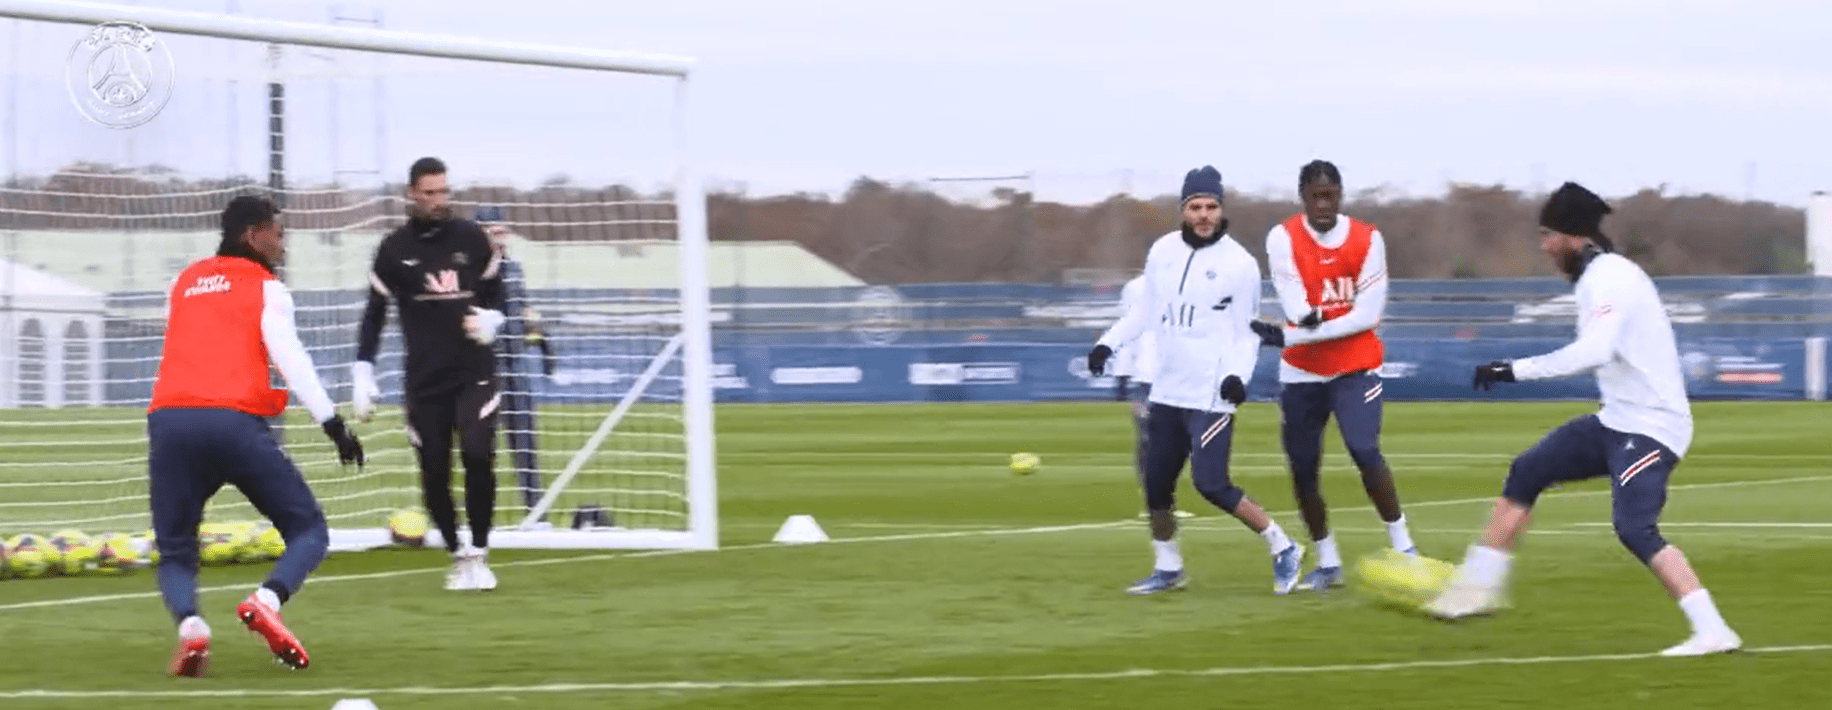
<point>1176,435</point>
<point>1304,412</point>
<point>191,453</point>
<point>1582,448</point>
<point>432,418</point>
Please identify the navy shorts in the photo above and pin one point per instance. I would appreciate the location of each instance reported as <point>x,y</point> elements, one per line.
<point>1305,409</point>
<point>1203,440</point>
<point>1638,466</point>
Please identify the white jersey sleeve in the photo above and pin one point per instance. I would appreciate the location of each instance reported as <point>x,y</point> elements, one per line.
<point>1601,311</point>
<point>1286,282</point>
<point>1137,317</point>
<point>1127,361</point>
<point>1626,338</point>
<point>281,337</point>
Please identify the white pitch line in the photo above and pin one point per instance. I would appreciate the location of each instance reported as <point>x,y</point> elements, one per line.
<point>100,598</point>
<point>1667,524</point>
<point>785,683</point>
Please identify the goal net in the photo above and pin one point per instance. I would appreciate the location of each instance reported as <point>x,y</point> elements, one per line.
<point>122,144</point>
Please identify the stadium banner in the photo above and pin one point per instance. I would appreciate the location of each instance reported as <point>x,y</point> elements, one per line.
<point>1416,369</point>
<point>598,370</point>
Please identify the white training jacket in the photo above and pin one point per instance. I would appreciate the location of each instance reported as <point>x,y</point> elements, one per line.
<point>1198,303</point>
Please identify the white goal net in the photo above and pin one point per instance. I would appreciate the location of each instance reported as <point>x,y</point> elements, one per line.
<point>120,148</point>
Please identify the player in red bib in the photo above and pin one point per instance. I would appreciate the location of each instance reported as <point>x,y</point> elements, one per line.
<point>1330,272</point>
<point>227,318</point>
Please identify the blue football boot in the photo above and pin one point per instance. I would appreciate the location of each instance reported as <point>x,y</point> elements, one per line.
<point>1321,579</point>
<point>1285,568</point>
<point>1160,581</point>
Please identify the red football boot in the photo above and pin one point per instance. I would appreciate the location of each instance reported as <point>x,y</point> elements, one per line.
<point>266,622</point>
<point>191,657</point>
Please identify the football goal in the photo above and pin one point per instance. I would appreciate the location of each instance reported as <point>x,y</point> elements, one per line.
<point>126,130</point>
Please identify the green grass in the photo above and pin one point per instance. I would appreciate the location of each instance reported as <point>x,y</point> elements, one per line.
<point>926,589</point>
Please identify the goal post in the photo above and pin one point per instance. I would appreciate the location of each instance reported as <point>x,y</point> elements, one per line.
<point>617,434</point>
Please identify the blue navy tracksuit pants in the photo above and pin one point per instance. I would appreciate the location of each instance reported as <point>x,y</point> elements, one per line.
<point>191,454</point>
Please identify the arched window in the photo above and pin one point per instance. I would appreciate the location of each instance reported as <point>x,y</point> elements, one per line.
<point>76,364</point>
<point>31,363</point>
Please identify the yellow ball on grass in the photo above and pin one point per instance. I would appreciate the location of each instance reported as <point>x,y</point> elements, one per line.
<point>407,527</point>
<point>1397,579</point>
<point>1025,464</point>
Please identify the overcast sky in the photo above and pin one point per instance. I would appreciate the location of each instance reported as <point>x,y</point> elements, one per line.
<point>1091,96</point>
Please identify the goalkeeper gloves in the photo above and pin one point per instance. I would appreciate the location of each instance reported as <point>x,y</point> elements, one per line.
<point>481,325</point>
<point>1488,375</point>
<point>362,389</point>
<point>349,450</point>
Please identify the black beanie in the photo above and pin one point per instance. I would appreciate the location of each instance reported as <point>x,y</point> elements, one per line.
<point>1575,210</point>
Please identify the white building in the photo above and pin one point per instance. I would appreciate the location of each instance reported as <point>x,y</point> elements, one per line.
<point>50,340</point>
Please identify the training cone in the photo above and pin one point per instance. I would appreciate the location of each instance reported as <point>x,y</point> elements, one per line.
<point>800,529</point>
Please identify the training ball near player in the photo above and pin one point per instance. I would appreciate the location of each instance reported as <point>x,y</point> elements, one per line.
<point>1400,579</point>
<point>1025,464</point>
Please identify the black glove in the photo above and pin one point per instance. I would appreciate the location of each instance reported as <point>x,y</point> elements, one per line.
<point>1233,390</point>
<point>349,450</point>
<point>1119,388</point>
<point>1270,335</point>
<point>1488,375</point>
<point>1312,319</point>
<point>1097,360</point>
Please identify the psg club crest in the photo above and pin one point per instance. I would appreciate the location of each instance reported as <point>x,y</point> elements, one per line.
<point>119,76</point>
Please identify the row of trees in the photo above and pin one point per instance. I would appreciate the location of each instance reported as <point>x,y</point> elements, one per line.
<point>901,233</point>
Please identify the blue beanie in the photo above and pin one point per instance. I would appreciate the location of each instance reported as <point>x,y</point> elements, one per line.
<point>1202,182</point>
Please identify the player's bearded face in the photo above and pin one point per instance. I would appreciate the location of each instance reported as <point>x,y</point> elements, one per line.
<point>1322,204</point>
<point>1566,252</point>
<point>1202,214</point>
<point>431,197</point>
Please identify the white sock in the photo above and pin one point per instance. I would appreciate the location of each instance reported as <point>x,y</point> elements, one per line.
<point>1702,613</point>
<point>1327,555</point>
<point>1401,537</point>
<point>268,597</point>
<point>1485,566</point>
<point>193,627</point>
<point>1276,541</point>
<point>1169,559</point>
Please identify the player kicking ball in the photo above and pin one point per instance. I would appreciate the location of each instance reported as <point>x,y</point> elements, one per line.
<point>1636,439</point>
<point>446,280</point>
<point>226,316</point>
<point>1201,292</point>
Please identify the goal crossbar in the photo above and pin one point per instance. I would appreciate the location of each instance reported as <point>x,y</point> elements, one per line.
<point>205,24</point>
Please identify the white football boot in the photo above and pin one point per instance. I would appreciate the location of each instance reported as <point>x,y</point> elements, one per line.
<point>461,577</point>
<point>1462,598</point>
<point>1706,643</point>
<point>482,578</point>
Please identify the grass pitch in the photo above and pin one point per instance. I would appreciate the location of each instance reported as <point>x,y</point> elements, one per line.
<point>953,584</point>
